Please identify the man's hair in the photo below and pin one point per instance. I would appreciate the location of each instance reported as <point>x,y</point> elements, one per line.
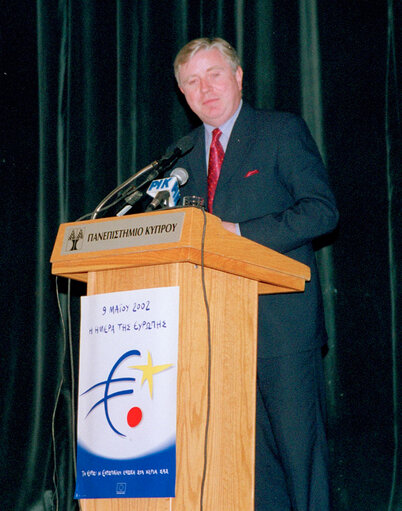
<point>205,43</point>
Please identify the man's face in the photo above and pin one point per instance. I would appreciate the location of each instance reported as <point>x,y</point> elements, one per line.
<point>211,88</point>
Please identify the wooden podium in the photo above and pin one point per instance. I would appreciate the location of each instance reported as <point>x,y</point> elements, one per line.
<point>188,248</point>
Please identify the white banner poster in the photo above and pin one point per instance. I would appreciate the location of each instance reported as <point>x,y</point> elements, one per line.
<point>127,394</point>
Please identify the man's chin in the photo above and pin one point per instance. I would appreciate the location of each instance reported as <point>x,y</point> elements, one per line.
<point>214,118</point>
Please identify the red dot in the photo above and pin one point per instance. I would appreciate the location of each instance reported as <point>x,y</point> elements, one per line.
<point>134,417</point>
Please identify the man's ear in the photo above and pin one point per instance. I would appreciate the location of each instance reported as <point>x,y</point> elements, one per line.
<point>239,77</point>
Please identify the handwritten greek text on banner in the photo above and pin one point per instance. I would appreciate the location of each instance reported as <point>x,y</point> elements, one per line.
<point>127,394</point>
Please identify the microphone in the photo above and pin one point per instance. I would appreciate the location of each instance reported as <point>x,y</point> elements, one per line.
<point>152,170</point>
<point>181,175</point>
<point>182,146</point>
<point>146,175</point>
<point>129,201</point>
<point>165,192</point>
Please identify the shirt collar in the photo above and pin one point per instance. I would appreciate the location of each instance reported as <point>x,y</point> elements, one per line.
<point>226,130</point>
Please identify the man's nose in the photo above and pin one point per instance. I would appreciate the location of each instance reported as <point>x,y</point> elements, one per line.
<point>204,85</point>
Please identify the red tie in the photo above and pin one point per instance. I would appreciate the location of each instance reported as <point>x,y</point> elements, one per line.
<point>216,155</point>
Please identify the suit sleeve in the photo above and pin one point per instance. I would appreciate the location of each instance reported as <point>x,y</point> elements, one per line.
<point>310,210</point>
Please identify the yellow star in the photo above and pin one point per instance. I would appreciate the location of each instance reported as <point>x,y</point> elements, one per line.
<point>149,370</point>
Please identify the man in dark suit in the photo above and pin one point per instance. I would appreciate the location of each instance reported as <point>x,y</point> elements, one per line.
<point>273,189</point>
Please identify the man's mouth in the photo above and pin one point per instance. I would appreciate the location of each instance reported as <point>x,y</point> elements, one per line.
<point>210,101</point>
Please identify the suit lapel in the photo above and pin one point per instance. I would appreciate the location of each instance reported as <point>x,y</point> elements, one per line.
<point>197,163</point>
<point>240,142</point>
<point>235,161</point>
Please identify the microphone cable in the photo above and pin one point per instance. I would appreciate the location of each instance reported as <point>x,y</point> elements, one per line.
<point>207,309</point>
<point>67,342</point>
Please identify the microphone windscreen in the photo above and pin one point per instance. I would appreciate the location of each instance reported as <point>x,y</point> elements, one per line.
<point>181,175</point>
<point>185,144</point>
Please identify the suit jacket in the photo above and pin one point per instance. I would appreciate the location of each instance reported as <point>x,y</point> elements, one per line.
<point>274,185</point>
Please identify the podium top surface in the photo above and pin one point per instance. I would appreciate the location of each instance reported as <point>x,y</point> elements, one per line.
<point>171,236</point>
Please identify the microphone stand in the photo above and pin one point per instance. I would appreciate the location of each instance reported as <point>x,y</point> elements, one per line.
<point>152,169</point>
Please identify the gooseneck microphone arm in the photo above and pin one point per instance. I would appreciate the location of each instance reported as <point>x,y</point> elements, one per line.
<point>150,172</point>
<point>147,174</point>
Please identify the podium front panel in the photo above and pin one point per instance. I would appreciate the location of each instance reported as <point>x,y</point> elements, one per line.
<point>215,390</point>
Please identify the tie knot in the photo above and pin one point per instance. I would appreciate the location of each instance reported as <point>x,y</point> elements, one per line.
<point>216,134</point>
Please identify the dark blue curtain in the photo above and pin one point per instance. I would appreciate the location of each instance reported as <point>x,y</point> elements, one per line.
<point>88,98</point>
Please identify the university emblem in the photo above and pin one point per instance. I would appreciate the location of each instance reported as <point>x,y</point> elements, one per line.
<point>75,239</point>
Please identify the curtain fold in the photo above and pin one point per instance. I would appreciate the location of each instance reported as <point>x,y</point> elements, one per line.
<point>393,143</point>
<point>312,112</point>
